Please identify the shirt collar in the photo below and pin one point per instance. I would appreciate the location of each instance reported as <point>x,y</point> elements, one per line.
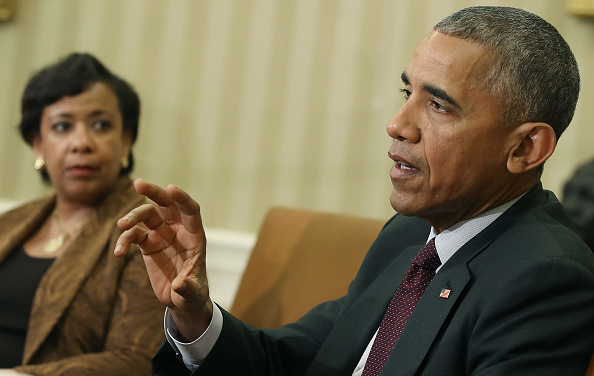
<point>453,238</point>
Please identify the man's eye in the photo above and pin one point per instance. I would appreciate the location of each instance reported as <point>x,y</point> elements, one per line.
<point>438,106</point>
<point>406,93</point>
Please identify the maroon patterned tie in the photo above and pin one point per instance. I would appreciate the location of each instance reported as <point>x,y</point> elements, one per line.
<point>412,287</point>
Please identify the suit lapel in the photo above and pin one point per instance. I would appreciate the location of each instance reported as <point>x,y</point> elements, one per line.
<point>432,311</point>
<point>343,348</point>
<point>426,321</point>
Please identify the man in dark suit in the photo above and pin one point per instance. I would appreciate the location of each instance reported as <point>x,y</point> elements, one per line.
<point>510,290</point>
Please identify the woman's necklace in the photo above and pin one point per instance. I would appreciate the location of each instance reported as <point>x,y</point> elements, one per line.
<point>55,244</point>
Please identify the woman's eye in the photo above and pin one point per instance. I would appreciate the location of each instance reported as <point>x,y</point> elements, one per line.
<point>61,126</point>
<point>102,125</point>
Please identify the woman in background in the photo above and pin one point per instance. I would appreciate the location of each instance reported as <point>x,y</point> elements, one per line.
<point>67,306</point>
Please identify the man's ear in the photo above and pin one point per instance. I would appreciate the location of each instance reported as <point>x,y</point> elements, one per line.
<point>533,145</point>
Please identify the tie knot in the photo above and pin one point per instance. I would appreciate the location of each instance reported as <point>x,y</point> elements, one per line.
<point>427,258</point>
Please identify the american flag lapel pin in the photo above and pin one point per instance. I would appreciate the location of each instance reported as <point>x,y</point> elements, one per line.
<point>445,293</point>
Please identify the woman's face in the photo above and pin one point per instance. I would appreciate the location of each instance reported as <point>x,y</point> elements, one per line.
<point>82,142</point>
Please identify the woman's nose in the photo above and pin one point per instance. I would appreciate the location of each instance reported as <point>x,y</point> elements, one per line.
<point>82,140</point>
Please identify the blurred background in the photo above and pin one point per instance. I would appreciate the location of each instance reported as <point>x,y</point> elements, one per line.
<point>252,103</point>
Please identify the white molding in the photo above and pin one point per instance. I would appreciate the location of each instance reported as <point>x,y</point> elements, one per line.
<point>227,255</point>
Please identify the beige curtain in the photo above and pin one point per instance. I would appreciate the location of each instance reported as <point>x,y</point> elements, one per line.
<point>253,103</point>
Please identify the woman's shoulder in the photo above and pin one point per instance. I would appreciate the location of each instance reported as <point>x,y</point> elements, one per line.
<point>28,208</point>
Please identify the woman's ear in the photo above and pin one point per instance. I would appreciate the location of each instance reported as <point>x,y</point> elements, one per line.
<point>36,144</point>
<point>534,144</point>
<point>127,141</point>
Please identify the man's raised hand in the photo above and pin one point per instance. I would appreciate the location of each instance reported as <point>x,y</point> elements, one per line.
<point>173,243</point>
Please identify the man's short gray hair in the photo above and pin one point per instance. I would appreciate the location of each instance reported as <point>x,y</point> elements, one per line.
<point>534,74</point>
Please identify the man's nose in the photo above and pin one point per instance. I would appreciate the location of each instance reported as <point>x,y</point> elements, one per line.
<point>404,125</point>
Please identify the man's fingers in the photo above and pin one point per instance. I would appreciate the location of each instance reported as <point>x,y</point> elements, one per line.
<point>174,203</point>
<point>188,290</point>
<point>153,192</point>
<point>147,214</point>
<point>135,235</point>
<point>188,208</point>
<point>168,207</point>
<point>179,285</point>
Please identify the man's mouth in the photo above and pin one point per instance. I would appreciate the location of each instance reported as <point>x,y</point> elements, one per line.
<point>404,166</point>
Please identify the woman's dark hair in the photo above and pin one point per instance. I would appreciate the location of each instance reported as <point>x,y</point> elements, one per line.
<point>68,77</point>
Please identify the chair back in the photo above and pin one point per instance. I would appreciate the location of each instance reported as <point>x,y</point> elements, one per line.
<point>301,258</point>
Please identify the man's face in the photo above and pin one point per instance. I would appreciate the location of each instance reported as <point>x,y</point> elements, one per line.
<point>450,143</point>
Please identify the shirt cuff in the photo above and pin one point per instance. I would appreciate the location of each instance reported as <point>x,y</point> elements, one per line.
<point>194,352</point>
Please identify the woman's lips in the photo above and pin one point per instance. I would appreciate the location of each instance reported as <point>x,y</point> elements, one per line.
<point>81,170</point>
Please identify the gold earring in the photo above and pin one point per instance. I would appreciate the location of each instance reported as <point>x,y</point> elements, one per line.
<point>39,163</point>
<point>125,162</point>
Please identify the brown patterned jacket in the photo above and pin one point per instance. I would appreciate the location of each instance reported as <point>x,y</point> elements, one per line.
<point>93,313</point>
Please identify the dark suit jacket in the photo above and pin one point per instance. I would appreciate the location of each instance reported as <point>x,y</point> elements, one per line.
<point>521,303</point>
<point>93,313</point>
